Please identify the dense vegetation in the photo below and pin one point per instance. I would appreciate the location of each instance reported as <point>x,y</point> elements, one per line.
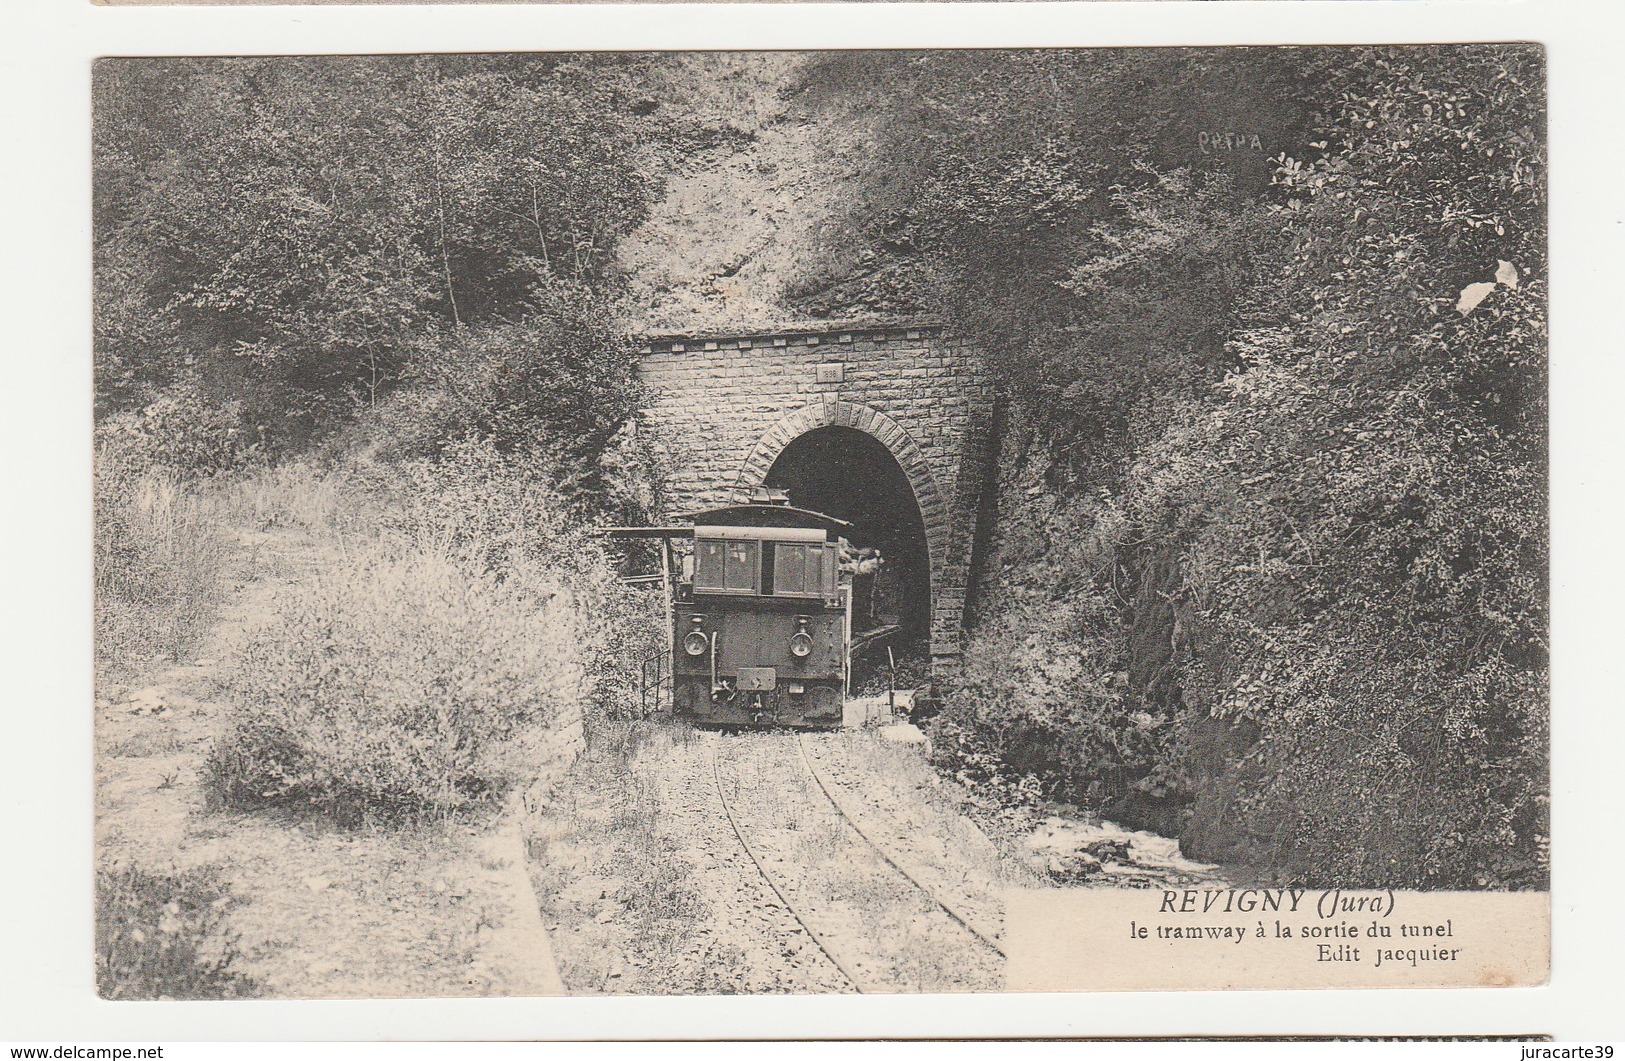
<point>163,936</point>
<point>418,248</point>
<point>371,303</point>
<point>431,668</point>
<point>1270,568</point>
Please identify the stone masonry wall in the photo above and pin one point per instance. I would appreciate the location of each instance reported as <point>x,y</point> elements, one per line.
<point>726,405</point>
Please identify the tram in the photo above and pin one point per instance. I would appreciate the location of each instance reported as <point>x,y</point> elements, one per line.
<point>760,614</point>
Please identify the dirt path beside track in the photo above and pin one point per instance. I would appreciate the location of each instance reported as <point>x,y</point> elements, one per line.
<point>317,911</point>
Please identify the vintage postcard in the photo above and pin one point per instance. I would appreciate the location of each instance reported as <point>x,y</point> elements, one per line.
<point>695,523</point>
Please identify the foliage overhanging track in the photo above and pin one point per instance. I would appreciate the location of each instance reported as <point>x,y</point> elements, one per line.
<point>812,933</point>
<point>961,918</point>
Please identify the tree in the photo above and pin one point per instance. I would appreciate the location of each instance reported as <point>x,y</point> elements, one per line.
<point>1360,508</point>
<point>290,231</point>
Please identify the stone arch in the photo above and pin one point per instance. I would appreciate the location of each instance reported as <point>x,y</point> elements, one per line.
<point>872,422</point>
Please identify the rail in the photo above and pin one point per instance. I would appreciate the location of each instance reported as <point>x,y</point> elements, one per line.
<point>947,907</point>
<point>761,867</point>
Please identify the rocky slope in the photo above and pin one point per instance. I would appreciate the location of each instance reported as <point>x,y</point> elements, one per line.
<point>737,220</point>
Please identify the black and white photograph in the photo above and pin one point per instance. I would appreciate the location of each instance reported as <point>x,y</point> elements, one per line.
<point>820,522</point>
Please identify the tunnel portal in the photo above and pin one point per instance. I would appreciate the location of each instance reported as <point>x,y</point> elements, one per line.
<point>885,424</point>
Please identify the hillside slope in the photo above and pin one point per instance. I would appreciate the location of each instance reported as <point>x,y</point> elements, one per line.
<point>718,249</point>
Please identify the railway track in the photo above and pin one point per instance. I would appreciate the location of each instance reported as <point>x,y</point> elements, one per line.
<point>817,937</point>
<point>876,878</point>
<point>952,909</point>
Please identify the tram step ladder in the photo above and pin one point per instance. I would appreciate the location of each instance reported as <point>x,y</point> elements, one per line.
<point>655,684</point>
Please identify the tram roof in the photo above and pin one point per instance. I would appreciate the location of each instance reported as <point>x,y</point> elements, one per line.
<point>757,516</point>
<point>760,515</point>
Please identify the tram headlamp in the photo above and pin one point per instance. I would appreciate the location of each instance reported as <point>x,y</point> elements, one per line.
<point>695,642</point>
<point>801,641</point>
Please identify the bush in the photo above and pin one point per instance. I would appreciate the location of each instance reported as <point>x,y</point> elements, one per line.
<point>183,432</point>
<point>1363,586</point>
<point>501,510</point>
<point>1054,680</point>
<point>400,687</point>
<point>470,628</point>
<point>561,383</point>
<point>296,495</point>
<point>162,936</point>
<point>632,629</point>
<point>495,508</point>
<point>160,554</point>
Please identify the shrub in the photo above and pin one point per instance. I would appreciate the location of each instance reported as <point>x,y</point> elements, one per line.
<point>1053,681</point>
<point>162,936</point>
<point>182,431</point>
<point>471,626</point>
<point>501,510</point>
<point>1041,683</point>
<point>489,506</point>
<point>407,686</point>
<point>295,494</point>
<point>1363,586</point>
<point>160,552</point>
<point>560,383</point>
<point>632,629</point>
